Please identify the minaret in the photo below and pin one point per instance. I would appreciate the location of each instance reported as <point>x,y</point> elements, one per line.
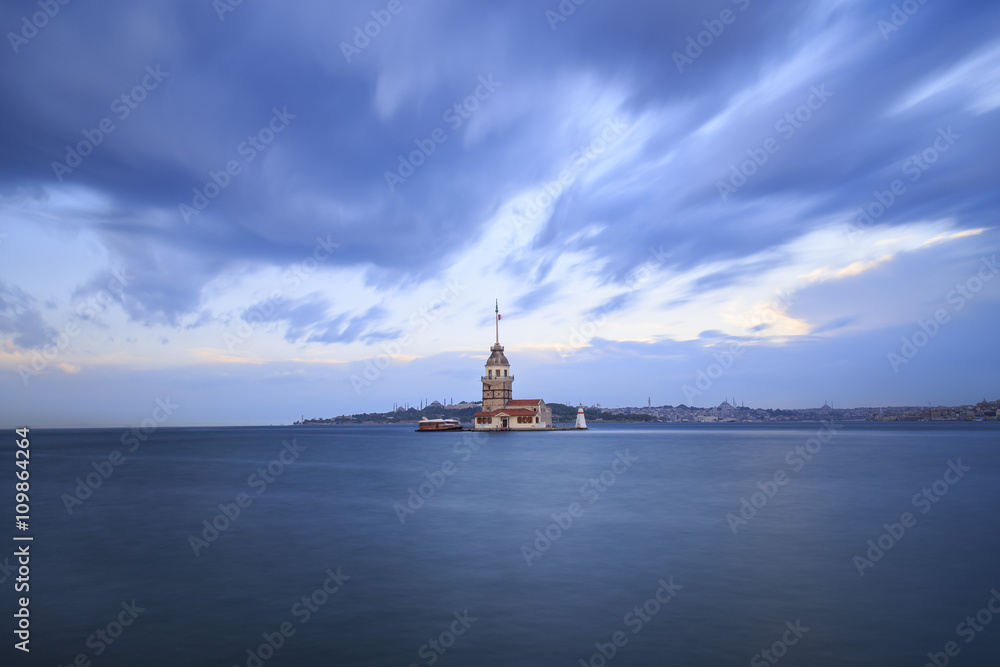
<point>497,381</point>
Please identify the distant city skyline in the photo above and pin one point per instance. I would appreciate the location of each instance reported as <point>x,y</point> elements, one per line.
<point>266,212</point>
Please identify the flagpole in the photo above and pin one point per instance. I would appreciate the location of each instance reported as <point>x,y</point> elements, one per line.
<point>497,320</point>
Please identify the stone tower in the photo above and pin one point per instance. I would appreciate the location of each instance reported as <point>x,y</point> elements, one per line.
<point>497,381</point>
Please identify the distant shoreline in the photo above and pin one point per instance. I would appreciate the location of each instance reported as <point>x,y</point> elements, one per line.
<point>683,414</point>
<point>686,423</point>
<point>120,427</point>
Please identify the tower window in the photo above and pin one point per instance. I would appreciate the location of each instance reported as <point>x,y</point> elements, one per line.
<point>505,373</point>
<point>490,374</point>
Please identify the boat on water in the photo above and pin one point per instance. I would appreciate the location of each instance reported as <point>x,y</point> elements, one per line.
<point>426,424</point>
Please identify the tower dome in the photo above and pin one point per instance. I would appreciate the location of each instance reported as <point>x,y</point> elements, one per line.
<point>497,357</point>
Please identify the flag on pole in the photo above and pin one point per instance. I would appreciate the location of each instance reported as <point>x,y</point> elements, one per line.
<point>498,317</point>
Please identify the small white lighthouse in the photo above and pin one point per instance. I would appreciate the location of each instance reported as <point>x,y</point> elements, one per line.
<point>580,421</point>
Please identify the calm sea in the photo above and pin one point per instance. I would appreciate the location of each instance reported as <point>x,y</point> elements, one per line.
<point>796,544</point>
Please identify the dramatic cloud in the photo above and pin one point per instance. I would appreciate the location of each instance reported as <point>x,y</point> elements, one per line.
<point>238,196</point>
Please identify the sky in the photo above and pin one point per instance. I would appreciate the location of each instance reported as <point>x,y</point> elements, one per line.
<point>256,212</point>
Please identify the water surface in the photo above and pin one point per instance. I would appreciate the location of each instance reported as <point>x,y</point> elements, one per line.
<point>335,507</point>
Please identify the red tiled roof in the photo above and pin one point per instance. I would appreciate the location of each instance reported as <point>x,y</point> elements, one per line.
<point>525,401</point>
<point>509,413</point>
